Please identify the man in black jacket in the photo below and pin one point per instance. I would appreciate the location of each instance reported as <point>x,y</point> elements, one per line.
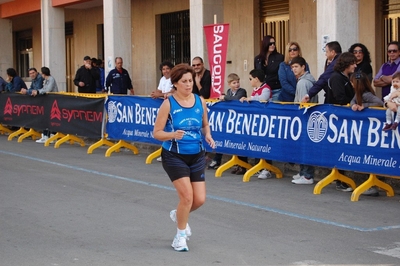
<point>86,76</point>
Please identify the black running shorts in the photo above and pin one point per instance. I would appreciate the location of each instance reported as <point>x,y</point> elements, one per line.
<point>184,165</point>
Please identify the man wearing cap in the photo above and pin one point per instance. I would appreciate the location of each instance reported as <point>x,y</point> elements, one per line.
<point>86,76</point>
<point>118,80</point>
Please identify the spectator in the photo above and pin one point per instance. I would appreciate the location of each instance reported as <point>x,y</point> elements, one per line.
<point>202,78</point>
<point>332,52</point>
<point>183,153</point>
<point>165,85</point>
<point>36,81</point>
<point>363,59</point>
<point>364,97</point>
<point>86,76</point>
<point>49,85</point>
<point>100,86</point>
<point>383,78</point>
<point>286,76</point>
<point>3,84</point>
<point>268,61</point>
<point>341,92</point>
<point>234,93</point>
<point>340,89</point>
<point>118,80</point>
<point>364,93</point>
<point>304,82</point>
<point>261,92</point>
<point>392,102</point>
<point>14,82</point>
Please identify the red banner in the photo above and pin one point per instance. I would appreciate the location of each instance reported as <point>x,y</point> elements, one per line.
<point>217,45</point>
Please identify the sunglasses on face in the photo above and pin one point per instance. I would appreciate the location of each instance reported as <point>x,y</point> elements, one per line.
<point>293,49</point>
<point>196,65</point>
<point>392,51</point>
<point>271,43</point>
<point>357,51</point>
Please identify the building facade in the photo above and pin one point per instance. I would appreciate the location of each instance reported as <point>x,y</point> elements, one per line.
<point>59,33</point>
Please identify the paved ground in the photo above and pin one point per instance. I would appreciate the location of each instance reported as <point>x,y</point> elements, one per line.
<point>65,207</point>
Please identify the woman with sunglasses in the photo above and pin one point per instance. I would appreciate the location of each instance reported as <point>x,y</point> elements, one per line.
<point>363,59</point>
<point>268,61</point>
<point>286,77</point>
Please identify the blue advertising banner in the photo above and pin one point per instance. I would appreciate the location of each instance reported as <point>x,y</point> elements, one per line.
<point>322,135</point>
<point>132,118</point>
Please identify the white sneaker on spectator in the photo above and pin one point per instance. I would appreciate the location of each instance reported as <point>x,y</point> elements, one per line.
<point>159,159</point>
<point>43,139</point>
<point>296,176</point>
<point>265,174</point>
<point>303,181</point>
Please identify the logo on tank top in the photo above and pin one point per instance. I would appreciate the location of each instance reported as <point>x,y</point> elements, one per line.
<point>177,111</point>
<point>197,111</point>
<point>317,126</point>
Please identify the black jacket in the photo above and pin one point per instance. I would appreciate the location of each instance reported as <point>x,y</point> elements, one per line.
<point>271,71</point>
<point>340,90</point>
<point>87,76</point>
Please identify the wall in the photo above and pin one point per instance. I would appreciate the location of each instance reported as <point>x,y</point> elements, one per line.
<point>20,24</point>
<point>85,32</point>
<point>145,73</point>
<point>303,29</point>
<point>243,44</point>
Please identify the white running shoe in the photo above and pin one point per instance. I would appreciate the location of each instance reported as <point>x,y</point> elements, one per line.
<point>43,139</point>
<point>296,176</point>
<point>188,230</point>
<point>265,174</point>
<point>159,159</point>
<point>303,181</point>
<point>179,243</point>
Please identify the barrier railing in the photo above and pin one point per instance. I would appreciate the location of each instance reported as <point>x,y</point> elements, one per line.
<point>321,135</point>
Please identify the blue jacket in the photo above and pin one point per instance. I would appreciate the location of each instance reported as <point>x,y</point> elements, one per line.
<point>322,82</point>
<point>16,85</point>
<point>288,82</point>
<point>118,83</point>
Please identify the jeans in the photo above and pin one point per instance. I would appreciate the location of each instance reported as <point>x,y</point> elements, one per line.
<point>275,94</point>
<point>307,171</point>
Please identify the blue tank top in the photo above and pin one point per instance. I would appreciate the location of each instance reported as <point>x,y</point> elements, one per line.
<point>189,119</point>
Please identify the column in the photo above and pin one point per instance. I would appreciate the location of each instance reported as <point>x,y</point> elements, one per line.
<point>53,42</point>
<point>6,47</point>
<point>337,20</point>
<point>202,12</point>
<point>117,33</point>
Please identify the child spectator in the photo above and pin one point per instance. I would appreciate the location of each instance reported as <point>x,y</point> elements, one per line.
<point>234,93</point>
<point>364,94</point>
<point>392,101</point>
<point>304,82</point>
<point>261,92</point>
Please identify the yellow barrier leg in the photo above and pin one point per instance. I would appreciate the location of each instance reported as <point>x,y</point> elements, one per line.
<point>71,139</point>
<point>98,144</point>
<point>229,164</point>
<point>334,175</point>
<point>372,181</point>
<point>20,131</point>
<point>153,155</point>
<point>4,130</point>
<point>30,133</point>
<point>121,144</point>
<point>262,164</point>
<point>53,138</point>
